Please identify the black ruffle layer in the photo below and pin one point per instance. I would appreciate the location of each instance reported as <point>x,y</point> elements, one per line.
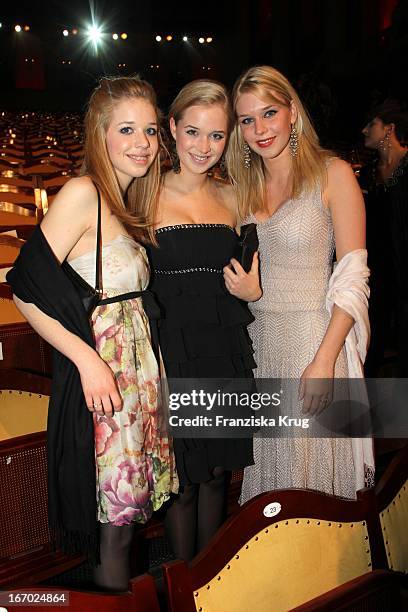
<point>203,333</point>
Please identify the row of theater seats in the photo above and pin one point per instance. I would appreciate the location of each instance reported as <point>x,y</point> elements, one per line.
<point>284,550</point>
<point>39,152</point>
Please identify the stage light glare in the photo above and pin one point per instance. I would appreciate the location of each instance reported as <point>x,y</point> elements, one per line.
<point>123,36</point>
<point>115,36</point>
<point>169,38</point>
<point>185,38</point>
<point>74,31</point>
<point>17,28</point>
<point>209,39</point>
<point>1,25</point>
<point>26,28</point>
<point>158,38</point>
<point>201,40</point>
<point>94,34</point>
<point>65,33</point>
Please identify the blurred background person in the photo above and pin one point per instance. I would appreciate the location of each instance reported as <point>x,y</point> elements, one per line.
<point>385,186</point>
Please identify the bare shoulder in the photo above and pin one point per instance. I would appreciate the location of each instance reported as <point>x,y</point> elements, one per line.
<point>79,188</point>
<point>77,197</point>
<point>74,206</point>
<point>339,170</point>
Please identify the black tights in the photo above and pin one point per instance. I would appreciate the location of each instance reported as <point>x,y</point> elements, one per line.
<point>114,571</point>
<point>196,515</point>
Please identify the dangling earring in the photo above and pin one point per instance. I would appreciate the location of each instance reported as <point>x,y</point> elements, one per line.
<point>223,168</point>
<point>293,141</point>
<point>385,143</point>
<point>175,160</point>
<point>247,155</point>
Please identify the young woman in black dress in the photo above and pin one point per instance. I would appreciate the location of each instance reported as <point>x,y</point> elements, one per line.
<point>203,331</point>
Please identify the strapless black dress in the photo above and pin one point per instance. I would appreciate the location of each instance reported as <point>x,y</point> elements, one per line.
<point>203,330</point>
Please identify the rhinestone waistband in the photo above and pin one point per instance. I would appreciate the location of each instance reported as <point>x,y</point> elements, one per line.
<point>188,270</point>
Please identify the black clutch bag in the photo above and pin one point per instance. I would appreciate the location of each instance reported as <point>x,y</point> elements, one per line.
<point>90,297</point>
<point>247,246</point>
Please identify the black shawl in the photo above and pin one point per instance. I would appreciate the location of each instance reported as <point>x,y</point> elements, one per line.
<point>38,278</point>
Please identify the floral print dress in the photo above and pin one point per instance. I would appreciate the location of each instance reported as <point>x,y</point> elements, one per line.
<point>134,458</point>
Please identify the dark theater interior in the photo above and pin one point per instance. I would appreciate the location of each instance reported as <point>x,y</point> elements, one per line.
<point>201,201</point>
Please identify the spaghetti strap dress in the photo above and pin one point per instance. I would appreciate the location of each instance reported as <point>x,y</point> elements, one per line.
<point>203,331</point>
<point>134,458</point>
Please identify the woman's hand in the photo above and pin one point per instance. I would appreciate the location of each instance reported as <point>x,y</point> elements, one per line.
<point>316,386</point>
<point>99,385</point>
<point>243,285</point>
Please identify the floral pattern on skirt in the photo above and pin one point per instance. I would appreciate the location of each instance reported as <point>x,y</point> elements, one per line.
<point>134,459</point>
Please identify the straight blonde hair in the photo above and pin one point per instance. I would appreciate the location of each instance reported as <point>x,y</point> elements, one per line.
<point>137,208</point>
<point>201,92</point>
<point>308,168</point>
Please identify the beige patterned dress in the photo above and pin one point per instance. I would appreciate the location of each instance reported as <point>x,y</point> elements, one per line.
<point>296,248</point>
<point>134,459</point>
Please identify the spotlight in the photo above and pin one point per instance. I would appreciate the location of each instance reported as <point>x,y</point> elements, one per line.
<point>185,38</point>
<point>209,39</point>
<point>201,40</point>
<point>1,25</point>
<point>123,36</point>
<point>17,28</point>
<point>74,31</point>
<point>115,36</point>
<point>65,33</point>
<point>169,38</point>
<point>26,28</point>
<point>158,38</point>
<point>94,34</point>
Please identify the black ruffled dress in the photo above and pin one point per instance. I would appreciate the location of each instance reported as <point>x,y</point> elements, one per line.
<point>203,331</point>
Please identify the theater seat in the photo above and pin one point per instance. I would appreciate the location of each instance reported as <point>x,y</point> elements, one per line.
<point>26,553</point>
<point>310,544</point>
<point>392,500</point>
<point>22,412</point>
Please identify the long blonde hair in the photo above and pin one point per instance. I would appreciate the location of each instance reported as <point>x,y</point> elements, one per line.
<point>138,211</point>
<point>308,168</point>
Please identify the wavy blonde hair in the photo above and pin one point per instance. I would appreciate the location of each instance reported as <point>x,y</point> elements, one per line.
<point>135,209</point>
<point>308,168</point>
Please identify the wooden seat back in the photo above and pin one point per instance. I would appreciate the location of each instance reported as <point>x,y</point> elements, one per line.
<point>392,501</point>
<point>309,544</point>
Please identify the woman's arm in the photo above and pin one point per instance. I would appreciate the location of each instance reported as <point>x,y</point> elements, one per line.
<point>69,218</point>
<point>243,285</point>
<point>344,198</point>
